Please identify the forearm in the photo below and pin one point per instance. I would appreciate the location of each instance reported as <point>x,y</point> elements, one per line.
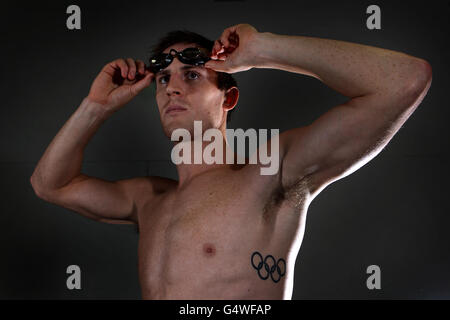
<point>63,158</point>
<point>351,69</point>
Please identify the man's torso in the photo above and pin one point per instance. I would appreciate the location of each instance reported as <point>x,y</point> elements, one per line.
<point>199,241</point>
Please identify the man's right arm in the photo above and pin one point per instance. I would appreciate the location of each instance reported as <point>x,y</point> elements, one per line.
<point>58,179</point>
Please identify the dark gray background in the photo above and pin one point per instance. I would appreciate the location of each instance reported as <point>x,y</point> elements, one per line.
<point>393,212</point>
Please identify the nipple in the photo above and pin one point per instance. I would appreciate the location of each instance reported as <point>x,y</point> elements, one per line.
<point>209,249</point>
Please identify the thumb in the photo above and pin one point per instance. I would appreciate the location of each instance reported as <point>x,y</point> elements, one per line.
<point>216,65</point>
<point>142,84</point>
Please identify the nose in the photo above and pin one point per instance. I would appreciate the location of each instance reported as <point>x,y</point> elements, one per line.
<point>175,85</point>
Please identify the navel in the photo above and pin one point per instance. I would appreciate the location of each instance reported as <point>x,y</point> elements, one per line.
<point>209,249</point>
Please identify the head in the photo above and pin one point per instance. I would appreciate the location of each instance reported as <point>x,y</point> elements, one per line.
<point>204,94</point>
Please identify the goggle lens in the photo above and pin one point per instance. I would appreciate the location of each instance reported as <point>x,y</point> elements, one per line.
<point>193,56</point>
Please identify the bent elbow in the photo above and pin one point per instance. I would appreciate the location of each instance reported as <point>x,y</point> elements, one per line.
<point>36,190</point>
<point>421,78</point>
<point>39,191</point>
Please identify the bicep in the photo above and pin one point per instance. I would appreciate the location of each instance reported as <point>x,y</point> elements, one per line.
<point>99,199</point>
<point>343,139</point>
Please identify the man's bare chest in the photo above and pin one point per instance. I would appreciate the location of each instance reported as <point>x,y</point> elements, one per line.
<point>204,226</point>
<point>214,214</point>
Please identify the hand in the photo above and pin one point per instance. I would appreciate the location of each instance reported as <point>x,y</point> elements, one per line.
<point>119,82</point>
<point>235,50</point>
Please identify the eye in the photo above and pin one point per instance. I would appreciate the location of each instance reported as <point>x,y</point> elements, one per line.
<point>161,79</point>
<point>190,73</point>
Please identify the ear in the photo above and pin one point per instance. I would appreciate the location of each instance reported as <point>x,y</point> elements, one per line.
<point>231,98</point>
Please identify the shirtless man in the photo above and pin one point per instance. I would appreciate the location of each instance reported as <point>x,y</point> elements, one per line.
<point>224,231</point>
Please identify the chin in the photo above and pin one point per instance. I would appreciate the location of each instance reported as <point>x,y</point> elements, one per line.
<point>172,123</point>
<point>170,126</point>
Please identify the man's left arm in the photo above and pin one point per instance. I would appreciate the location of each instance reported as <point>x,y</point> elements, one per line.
<point>384,87</point>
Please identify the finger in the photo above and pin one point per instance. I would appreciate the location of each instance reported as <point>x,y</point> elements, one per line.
<point>221,50</point>
<point>142,84</point>
<point>139,76</point>
<point>216,48</point>
<point>140,66</point>
<point>234,39</point>
<point>122,66</point>
<point>224,37</point>
<point>219,46</point>
<point>230,37</point>
<point>131,68</point>
<point>153,77</point>
<point>145,72</point>
<point>222,56</point>
<point>216,65</point>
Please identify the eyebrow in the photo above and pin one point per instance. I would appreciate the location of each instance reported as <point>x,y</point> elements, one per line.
<point>166,71</point>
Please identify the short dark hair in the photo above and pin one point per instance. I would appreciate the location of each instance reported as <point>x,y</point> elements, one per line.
<point>224,80</point>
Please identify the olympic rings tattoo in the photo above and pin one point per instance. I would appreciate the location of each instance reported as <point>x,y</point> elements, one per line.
<point>270,266</point>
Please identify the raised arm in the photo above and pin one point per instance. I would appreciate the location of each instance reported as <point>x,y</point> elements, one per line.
<point>384,87</point>
<point>58,179</point>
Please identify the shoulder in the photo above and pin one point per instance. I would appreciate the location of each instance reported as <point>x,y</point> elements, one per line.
<point>145,187</point>
<point>154,184</point>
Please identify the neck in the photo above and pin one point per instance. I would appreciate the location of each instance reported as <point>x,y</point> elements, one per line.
<point>198,164</point>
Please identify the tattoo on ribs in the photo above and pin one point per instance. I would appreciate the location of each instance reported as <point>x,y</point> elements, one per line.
<point>268,266</point>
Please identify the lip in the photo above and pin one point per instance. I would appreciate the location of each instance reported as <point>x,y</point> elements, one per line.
<point>175,108</point>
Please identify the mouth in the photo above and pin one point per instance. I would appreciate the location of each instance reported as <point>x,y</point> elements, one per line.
<point>175,109</point>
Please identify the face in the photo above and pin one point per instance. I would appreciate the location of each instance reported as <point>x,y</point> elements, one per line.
<point>194,88</point>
